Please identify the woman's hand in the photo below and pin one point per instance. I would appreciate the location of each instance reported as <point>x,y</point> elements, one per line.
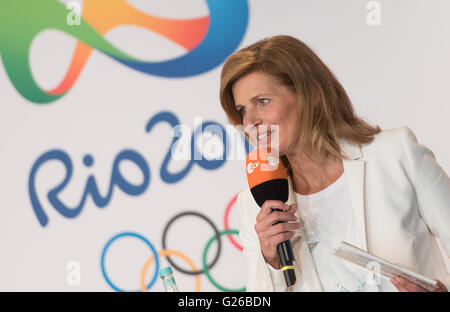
<point>404,285</point>
<point>270,233</point>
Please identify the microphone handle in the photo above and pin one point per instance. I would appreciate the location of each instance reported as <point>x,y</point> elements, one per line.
<point>286,258</point>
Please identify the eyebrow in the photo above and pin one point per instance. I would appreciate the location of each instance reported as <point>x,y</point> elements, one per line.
<point>251,99</point>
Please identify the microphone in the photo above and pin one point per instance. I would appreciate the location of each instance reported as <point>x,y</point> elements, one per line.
<point>267,179</point>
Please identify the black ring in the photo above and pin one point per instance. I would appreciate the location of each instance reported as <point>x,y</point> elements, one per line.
<point>193,213</point>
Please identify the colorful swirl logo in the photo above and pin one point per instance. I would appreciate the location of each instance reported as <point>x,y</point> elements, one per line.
<point>208,40</point>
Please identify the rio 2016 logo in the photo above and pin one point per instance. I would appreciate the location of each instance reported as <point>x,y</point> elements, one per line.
<point>208,40</point>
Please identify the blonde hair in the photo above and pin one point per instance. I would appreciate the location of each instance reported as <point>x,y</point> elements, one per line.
<point>325,113</point>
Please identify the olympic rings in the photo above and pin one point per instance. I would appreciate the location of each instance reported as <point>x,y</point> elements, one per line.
<point>166,252</point>
<point>205,266</point>
<point>145,241</point>
<point>169,252</point>
<point>193,213</point>
<point>227,213</point>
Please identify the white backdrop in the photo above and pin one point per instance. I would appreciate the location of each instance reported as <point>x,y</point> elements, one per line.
<point>396,73</point>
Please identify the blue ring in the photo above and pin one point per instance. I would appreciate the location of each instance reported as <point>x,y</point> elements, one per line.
<point>145,241</point>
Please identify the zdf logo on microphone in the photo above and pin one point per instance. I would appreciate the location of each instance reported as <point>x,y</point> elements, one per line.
<point>272,161</point>
<point>252,166</point>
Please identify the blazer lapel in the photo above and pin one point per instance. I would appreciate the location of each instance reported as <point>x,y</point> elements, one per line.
<point>354,170</point>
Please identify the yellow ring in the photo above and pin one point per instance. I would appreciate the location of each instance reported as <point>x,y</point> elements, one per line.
<point>287,267</point>
<point>168,252</point>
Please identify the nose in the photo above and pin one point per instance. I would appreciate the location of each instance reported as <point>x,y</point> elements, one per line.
<point>252,118</point>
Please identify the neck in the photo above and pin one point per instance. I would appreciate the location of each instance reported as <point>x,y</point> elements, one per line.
<point>311,175</point>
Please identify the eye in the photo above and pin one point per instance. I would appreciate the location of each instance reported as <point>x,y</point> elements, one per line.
<point>241,110</point>
<point>263,101</point>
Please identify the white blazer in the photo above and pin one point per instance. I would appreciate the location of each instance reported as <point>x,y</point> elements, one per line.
<point>400,200</point>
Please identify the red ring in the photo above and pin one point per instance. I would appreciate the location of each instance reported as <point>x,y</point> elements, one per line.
<point>227,213</point>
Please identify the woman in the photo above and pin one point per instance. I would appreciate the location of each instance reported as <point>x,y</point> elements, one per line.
<point>376,189</point>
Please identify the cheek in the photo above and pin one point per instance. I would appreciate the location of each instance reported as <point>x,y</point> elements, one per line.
<point>283,138</point>
<point>287,131</point>
<point>292,121</point>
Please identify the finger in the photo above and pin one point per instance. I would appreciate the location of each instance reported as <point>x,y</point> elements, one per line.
<point>281,237</point>
<point>278,216</point>
<point>398,284</point>
<point>283,227</point>
<point>273,204</point>
<point>401,289</point>
<point>440,287</point>
<point>405,285</point>
<point>412,287</point>
<point>268,206</point>
<point>265,223</point>
<point>292,209</point>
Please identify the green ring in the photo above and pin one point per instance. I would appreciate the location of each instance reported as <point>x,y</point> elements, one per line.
<point>205,266</point>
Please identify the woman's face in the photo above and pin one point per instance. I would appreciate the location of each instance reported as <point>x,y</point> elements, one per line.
<point>263,103</point>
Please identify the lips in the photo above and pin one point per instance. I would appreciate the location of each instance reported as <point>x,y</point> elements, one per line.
<point>260,135</point>
<point>263,136</point>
